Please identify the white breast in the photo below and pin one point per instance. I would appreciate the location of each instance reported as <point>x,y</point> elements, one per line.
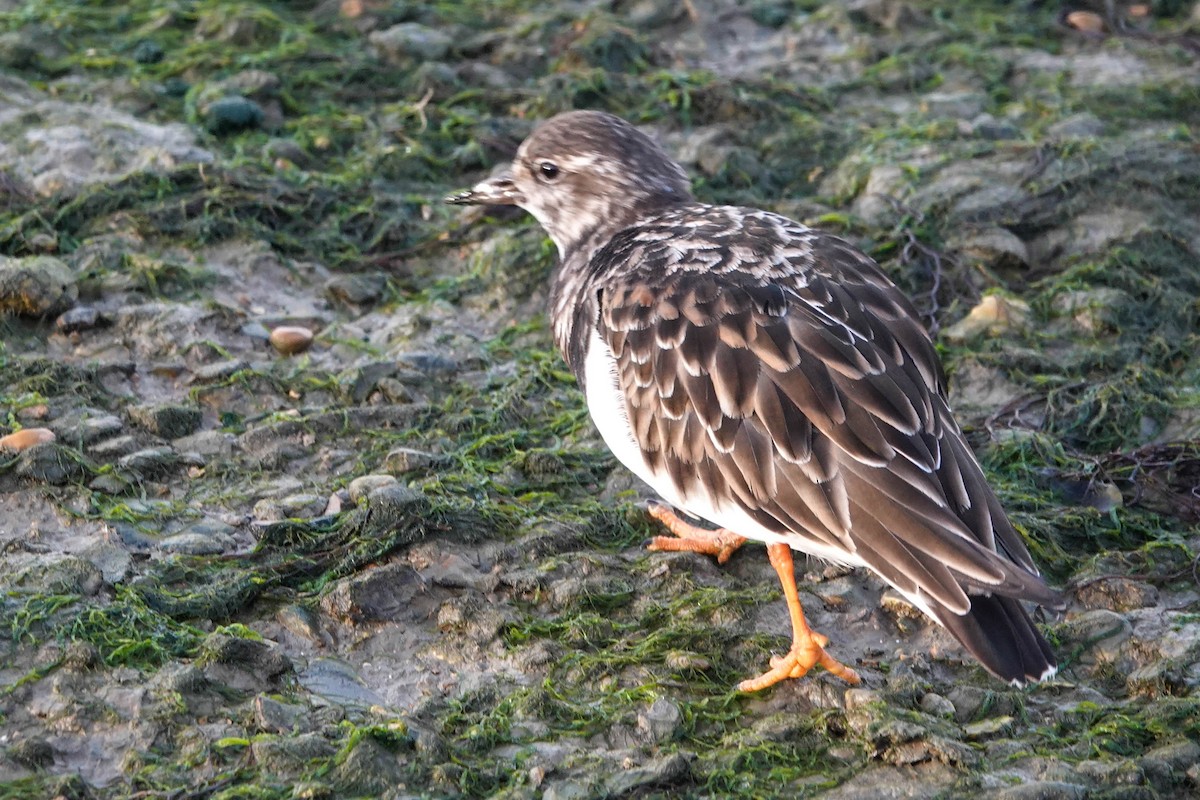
<point>606,404</point>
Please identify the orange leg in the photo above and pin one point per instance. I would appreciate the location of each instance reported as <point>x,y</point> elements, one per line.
<point>808,646</point>
<point>691,539</point>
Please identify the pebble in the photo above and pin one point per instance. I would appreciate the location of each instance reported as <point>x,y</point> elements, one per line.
<point>411,41</point>
<point>80,318</point>
<point>36,286</point>
<point>149,461</point>
<point>196,544</point>
<point>362,486</point>
<point>168,420</point>
<point>1086,21</point>
<point>291,339</point>
<point>232,114</point>
<point>994,315</point>
<point>25,438</point>
<point>358,290</point>
<point>295,506</point>
<point>405,459</point>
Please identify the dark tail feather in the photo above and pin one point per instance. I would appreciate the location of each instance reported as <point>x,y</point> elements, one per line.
<point>999,633</point>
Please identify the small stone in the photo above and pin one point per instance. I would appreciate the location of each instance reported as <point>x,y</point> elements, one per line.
<point>1101,632</point>
<point>80,318</point>
<point>994,315</point>
<point>860,698</point>
<point>1077,126</point>
<point>48,462</point>
<point>937,705</point>
<point>273,716</point>
<point>36,286</point>
<point>291,339</point>
<point>94,429</point>
<point>899,608</point>
<point>196,544</point>
<point>1044,790</point>
<point>254,655</point>
<point>168,420</point>
<point>34,753</point>
<point>997,249</point>
<point>987,728</point>
<point>114,447</point>
<point>405,459</point>
<point>660,722</point>
<point>1085,21</point>
<point>81,656</point>
<point>1117,594</point>
<point>232,114</point>
<point>290,756</point>
<point>411,41</point>
<point>148,51</point>
<point>218,371</point>
<point>362,486</point>
<point>358,289</point>
<point>303,505</point>
<point>150,461</point>
<point>985,126</point>
<point>25,438</point>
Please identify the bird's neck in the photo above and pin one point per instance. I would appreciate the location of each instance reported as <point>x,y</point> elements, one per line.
<point>569,289</point>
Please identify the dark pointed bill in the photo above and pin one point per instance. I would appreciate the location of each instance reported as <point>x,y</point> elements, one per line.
<point>497,191</point>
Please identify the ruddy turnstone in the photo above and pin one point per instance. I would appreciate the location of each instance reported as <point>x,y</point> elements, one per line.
<point>769,378</point>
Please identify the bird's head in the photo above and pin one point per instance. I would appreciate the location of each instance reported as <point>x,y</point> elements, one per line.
<point>582,172</point>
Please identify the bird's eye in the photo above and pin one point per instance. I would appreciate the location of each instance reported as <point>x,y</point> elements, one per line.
<point>549,170</point>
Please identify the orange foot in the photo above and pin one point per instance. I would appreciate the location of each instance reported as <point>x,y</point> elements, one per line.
<point>691,539</point>
<point>808,646</point>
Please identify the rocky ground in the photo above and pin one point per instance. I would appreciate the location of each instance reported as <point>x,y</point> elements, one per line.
<point>396,560</point>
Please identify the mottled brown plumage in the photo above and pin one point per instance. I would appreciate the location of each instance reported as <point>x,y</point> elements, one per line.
<point>770,378</point>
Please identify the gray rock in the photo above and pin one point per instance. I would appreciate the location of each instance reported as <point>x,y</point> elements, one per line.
<point>36,286</point>
<point>1077,126</point>
<point>363,485</point>
<point>149,462</point>
<point>80,318</point>
<point>208,444</point>
<point>113,561</point>
<point>196,544</point>
<point>50,463</point>
<point>411,41</point>
<point>218,370</point>
<point>937,705</point>
<point>985,126</point>
<point>290,756</point>
<point>360,289</point>
<point>660,722</point>
<point>1101,631</point>
<point>115,447</point>
<point>338,683</point>
<point>65,146</point>
<point>274,716</point>
<point>379,594</point>
<point>403,460</point>
<point>168,420</point>
<point>660,773</point>
<point>1166,766</point>
<point>256,656</point>
<point>294,506</point>
<point>34,752</point>
<point>1042,790</point>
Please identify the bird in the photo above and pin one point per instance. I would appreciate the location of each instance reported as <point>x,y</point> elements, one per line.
<point>769,379</point>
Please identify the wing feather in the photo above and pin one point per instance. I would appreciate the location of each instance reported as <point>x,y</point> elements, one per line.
<point>802,388</point>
